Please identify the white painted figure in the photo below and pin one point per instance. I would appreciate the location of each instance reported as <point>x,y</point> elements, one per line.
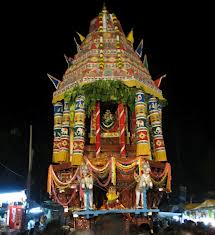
<point>86,183</point>
<point>143,183</point>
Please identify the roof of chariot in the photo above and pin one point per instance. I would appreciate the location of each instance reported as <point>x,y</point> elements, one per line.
<point>106,54</point>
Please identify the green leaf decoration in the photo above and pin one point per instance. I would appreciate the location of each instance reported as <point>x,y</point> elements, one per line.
<point>104,90</point>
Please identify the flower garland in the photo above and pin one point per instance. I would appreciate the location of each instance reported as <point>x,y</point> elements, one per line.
<point>126,167</point>
<point>104,174</point>
<point>158,180</point>
<point>169,178</point>
<point>108,171</point>
<point>97,169</point>
<point>103,184</point>
<point>126,172</point>
<point>113,170</point>
<point>58,200</point>
<point>166,170</point>
<point>60,186</point>
<point>61,183</point>
<point>128,161</point>
<point>49,181</point>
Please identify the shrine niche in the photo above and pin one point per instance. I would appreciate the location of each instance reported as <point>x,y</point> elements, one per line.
<point>108,121</point>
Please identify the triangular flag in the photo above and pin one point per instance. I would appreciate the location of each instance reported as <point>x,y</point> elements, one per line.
<point>139,49</point>
<point>130,36</point>
<point>77,45</point>
<point>157,82</point>
<point>145,62</point>
<point>82,38</point>
<point>69,60</point>
<point>54,80</point>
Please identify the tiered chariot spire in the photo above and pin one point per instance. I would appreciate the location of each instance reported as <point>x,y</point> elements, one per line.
<point>108,114</point>
<point>107,55</point>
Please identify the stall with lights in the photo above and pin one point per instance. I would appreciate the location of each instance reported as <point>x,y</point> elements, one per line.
<point>200,212</point>
<point>12,206</point>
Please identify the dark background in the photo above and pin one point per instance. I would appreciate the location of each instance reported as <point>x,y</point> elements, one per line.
<point>34,38</point>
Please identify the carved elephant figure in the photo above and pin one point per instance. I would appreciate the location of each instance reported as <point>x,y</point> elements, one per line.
<point>140,123</point>
<point>64,131</point>
<point>158,130</point>
<point>80,131</point>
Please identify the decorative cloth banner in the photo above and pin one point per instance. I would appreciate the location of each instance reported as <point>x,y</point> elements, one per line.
<point>65,132</point>
<point>79,131</point>
<point>156,130</point>
<point>98,129</point>
<point>58,114</point>
<point>121,115</point>
<point>142,136</point>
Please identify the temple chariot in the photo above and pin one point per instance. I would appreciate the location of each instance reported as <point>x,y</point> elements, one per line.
<point>109,155</point>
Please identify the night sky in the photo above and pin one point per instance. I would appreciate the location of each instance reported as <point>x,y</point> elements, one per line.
<point>34,39</point>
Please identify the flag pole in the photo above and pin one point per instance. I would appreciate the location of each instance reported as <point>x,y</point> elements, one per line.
<point>30,160</point>
<point>28,183</point>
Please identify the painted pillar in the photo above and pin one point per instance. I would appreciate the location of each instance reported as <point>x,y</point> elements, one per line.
<point>156,127</point>
<point>151,140</point>
<point>65,132</point>
<point>121,115</point>
<point>142,136</point>
<point>58,114</point>
<point>160,112</point>
<point>98,129</point>
<point>79,131</point>
<point>72,115</point>
<point>93,127</point>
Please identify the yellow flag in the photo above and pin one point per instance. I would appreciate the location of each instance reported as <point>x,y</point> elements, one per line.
<point>130,36</point>
<point>82,38</point>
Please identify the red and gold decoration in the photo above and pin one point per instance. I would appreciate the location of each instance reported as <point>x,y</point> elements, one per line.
<point>98,130</point>
<point>122,126</point>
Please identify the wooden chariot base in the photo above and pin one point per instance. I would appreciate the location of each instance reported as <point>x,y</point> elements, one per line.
<point>106,219</point>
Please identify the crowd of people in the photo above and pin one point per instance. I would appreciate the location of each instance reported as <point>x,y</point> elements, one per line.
<point>187,228</point>
<point>115,227</point>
